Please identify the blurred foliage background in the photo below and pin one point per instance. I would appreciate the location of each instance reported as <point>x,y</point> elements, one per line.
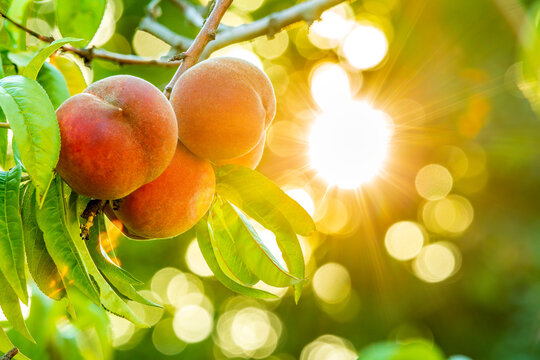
<point>430,242</point>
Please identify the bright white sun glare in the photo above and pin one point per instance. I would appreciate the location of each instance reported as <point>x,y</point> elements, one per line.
<point>348,145</point>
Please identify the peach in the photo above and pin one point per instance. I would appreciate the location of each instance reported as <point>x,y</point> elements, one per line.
<point>250,160</point>
<point>117,135</point>
<point>223,106</point>
<point>172,203</point>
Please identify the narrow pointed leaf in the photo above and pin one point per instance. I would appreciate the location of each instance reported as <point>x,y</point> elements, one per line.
<point>60,245</point>
<point>11,233</point>
<point>253,251</point>
<point>40,263</point>
<point>222,236</point>
<point>110,300</point>
<point>120,279</point>
<point>205,244</point>
<point>3,142</point>
<point>54,84</point>
<point>31,116</point>
<point>32,69</point>
<point>6,345</point>
<point>11,307</point>
<point>72,73</point>
<point>263,201</point>
<point>248,188</point>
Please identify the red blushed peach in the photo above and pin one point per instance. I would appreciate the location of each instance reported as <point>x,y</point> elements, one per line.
<point>116,136</point>
<point>172,203</point>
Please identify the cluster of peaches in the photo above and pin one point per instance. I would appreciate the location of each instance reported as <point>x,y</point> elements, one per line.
<point>123,140</point>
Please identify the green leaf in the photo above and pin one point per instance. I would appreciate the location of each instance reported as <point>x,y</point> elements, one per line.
<point>40,263</point>
<point>9,302</point>
<point>110,300</point>
<point>222,235</point>
<point>54,84</point>
<point>79,18</point>
<point>6,345</point>
<point>251,249</point>
<point>267,204</point>
<point>249,189</point>
<point>72,73</point>
<point>59,242</point>
<point>205,244</point>
<point>3,142</point>
<point>120,279</point>
<point>35,128</point>
<point>11,233</point>
<point>32,69</point>
<point>4,5</point>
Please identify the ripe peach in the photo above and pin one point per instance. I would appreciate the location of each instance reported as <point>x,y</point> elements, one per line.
<point>117,135</point>
<point>250,160</point>
<point>172,203</point>
<point>223,105</point>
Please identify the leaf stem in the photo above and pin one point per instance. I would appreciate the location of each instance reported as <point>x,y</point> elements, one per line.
<point>207,33</point>
<point>10,354</point>
<point>4,125</point>
<point>93,208</point>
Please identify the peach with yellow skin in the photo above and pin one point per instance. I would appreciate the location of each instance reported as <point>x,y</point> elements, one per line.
<point>250,160</point>
<point>117,135</point>
<point>223,106</point>
<point>172,203</point>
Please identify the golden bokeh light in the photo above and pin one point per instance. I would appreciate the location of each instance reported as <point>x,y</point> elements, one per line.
<point>348,145</point>
<point>284,138</point>
<point>433,182</point>
<point>160,282</point>
<point>149,46</point>
<point>332,215</point>
<point>150,314</point>
<point>192,323</point>
<point>404,240</point>
<point>454,159</point>
<point>333,26</point>
<point>195,260</point>
<point>122,330</point>
<point>165,340</point>
<point>450,215</point>
<point>243,52</point>
<point>248,332</point>
<point>332,283</point>
<point>330,85</point>
<point>272,48</point>
<point>329,347</point>
<point>247,5</point>
<point>181,285</point>
<point>437,262</point>
<point>365,47</point>
<point>250,328</point>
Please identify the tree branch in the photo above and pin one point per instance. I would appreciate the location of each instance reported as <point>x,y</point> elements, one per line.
<point>10,354</point>
<point>162,32</point>
<point>308,11</point>
<point>207,33</point>
<point>90,53</point>
<point>48,39</point>
<point>193,15</point>
<point>4,125</point>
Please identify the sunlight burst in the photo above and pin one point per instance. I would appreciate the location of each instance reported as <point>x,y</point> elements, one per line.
<point>348,145</point>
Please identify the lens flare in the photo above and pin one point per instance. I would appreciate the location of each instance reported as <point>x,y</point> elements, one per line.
<point>348,146</point>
